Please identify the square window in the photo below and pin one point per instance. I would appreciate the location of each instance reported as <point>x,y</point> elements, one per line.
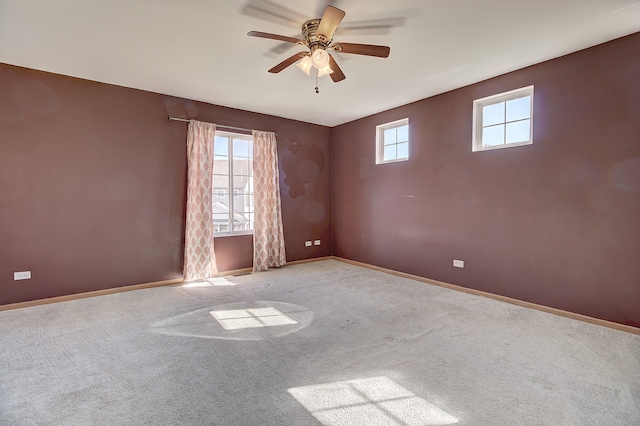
<point>392,141</point>
<point>503,120</point>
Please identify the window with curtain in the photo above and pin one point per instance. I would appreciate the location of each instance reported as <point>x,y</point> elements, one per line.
<point>268,236</point>
<point>199,254</point>
<point>233,196</point>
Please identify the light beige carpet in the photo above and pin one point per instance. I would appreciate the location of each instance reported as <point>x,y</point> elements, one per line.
<point>320,343</point>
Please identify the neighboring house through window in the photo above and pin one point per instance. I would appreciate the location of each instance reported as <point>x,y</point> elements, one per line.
<point>503,120</point>
<point>233,179</point>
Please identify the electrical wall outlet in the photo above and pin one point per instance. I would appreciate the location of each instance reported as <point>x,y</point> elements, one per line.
<point>316,243</point>
<point>307,243</point>
<point>24,275</point>
<point>458,263</point>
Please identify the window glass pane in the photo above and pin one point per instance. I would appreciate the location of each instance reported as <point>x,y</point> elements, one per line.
<point>220,146</point>
<point>493,135</point>
<point>240,215</point>
<point>518,131</point>
<point>241,183</point>
<point>241,166</point>
<point>221,166</point>
<point>249,187</point>
<point>220,218</point>
<point>389,136</point>
<point>493,114</point>
<point>236,194</point>
<point>241,220</point>
<point>243,226</point>
<point>220,182</point>
<point>518,109</point>
<point>389,152</point>
<point>240,148</point>
<point>221,201</point>
<point>403,134</point>
<point>403,150</point>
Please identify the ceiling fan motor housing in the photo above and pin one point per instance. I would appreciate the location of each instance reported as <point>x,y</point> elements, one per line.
<point>312,39</point>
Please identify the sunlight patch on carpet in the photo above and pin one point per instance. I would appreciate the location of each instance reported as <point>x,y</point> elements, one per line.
<point>258,320</point>
<point>367,402</point>
<point>236,319</point>
<point>211,282</point>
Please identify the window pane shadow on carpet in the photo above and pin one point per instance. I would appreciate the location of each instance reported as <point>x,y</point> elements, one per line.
<point>238,321</point>
<point>369,401</point>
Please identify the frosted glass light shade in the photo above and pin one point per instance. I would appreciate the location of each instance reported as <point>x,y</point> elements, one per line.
<point>326,70</point>
<point>305,65</point>
<point>320,58</point>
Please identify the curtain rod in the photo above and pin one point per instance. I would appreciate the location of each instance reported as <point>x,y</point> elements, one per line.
<point>240,129</point>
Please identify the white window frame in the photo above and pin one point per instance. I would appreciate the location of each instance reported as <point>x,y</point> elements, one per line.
<point>232,191</point>
<point>380,141</point>
<point>478,106</point>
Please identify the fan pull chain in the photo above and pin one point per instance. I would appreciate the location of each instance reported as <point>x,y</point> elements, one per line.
<point>317,90</point>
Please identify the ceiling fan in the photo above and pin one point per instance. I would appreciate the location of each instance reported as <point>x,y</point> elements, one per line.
<point>317,36</point>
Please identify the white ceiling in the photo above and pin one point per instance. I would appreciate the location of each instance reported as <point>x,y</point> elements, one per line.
<point>198,49</point>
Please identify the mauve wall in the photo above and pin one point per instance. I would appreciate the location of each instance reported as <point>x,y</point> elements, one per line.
<point>93,178</point>
<point>555,223</point>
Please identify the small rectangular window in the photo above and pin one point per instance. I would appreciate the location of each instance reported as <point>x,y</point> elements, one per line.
<point>392,141</point>
<point>503,120</point>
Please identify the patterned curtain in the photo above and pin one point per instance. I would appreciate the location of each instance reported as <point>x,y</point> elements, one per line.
<point>268,238</point>
<point>199,257</point>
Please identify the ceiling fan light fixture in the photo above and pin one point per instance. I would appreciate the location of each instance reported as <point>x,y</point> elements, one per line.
<point>317,38</point>
<point>326,70</point>
<point>305,65</point>
<point>320,58</point>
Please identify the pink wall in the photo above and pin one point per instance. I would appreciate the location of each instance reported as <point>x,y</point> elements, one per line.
<point>555,223</point>
<point>93,180</point>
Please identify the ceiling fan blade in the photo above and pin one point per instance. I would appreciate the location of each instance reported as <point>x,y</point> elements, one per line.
<point>337,74</point>
<point>331,18</point>
<point>274,37</point>
<point>290,60</point>
<point>362,49</point>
